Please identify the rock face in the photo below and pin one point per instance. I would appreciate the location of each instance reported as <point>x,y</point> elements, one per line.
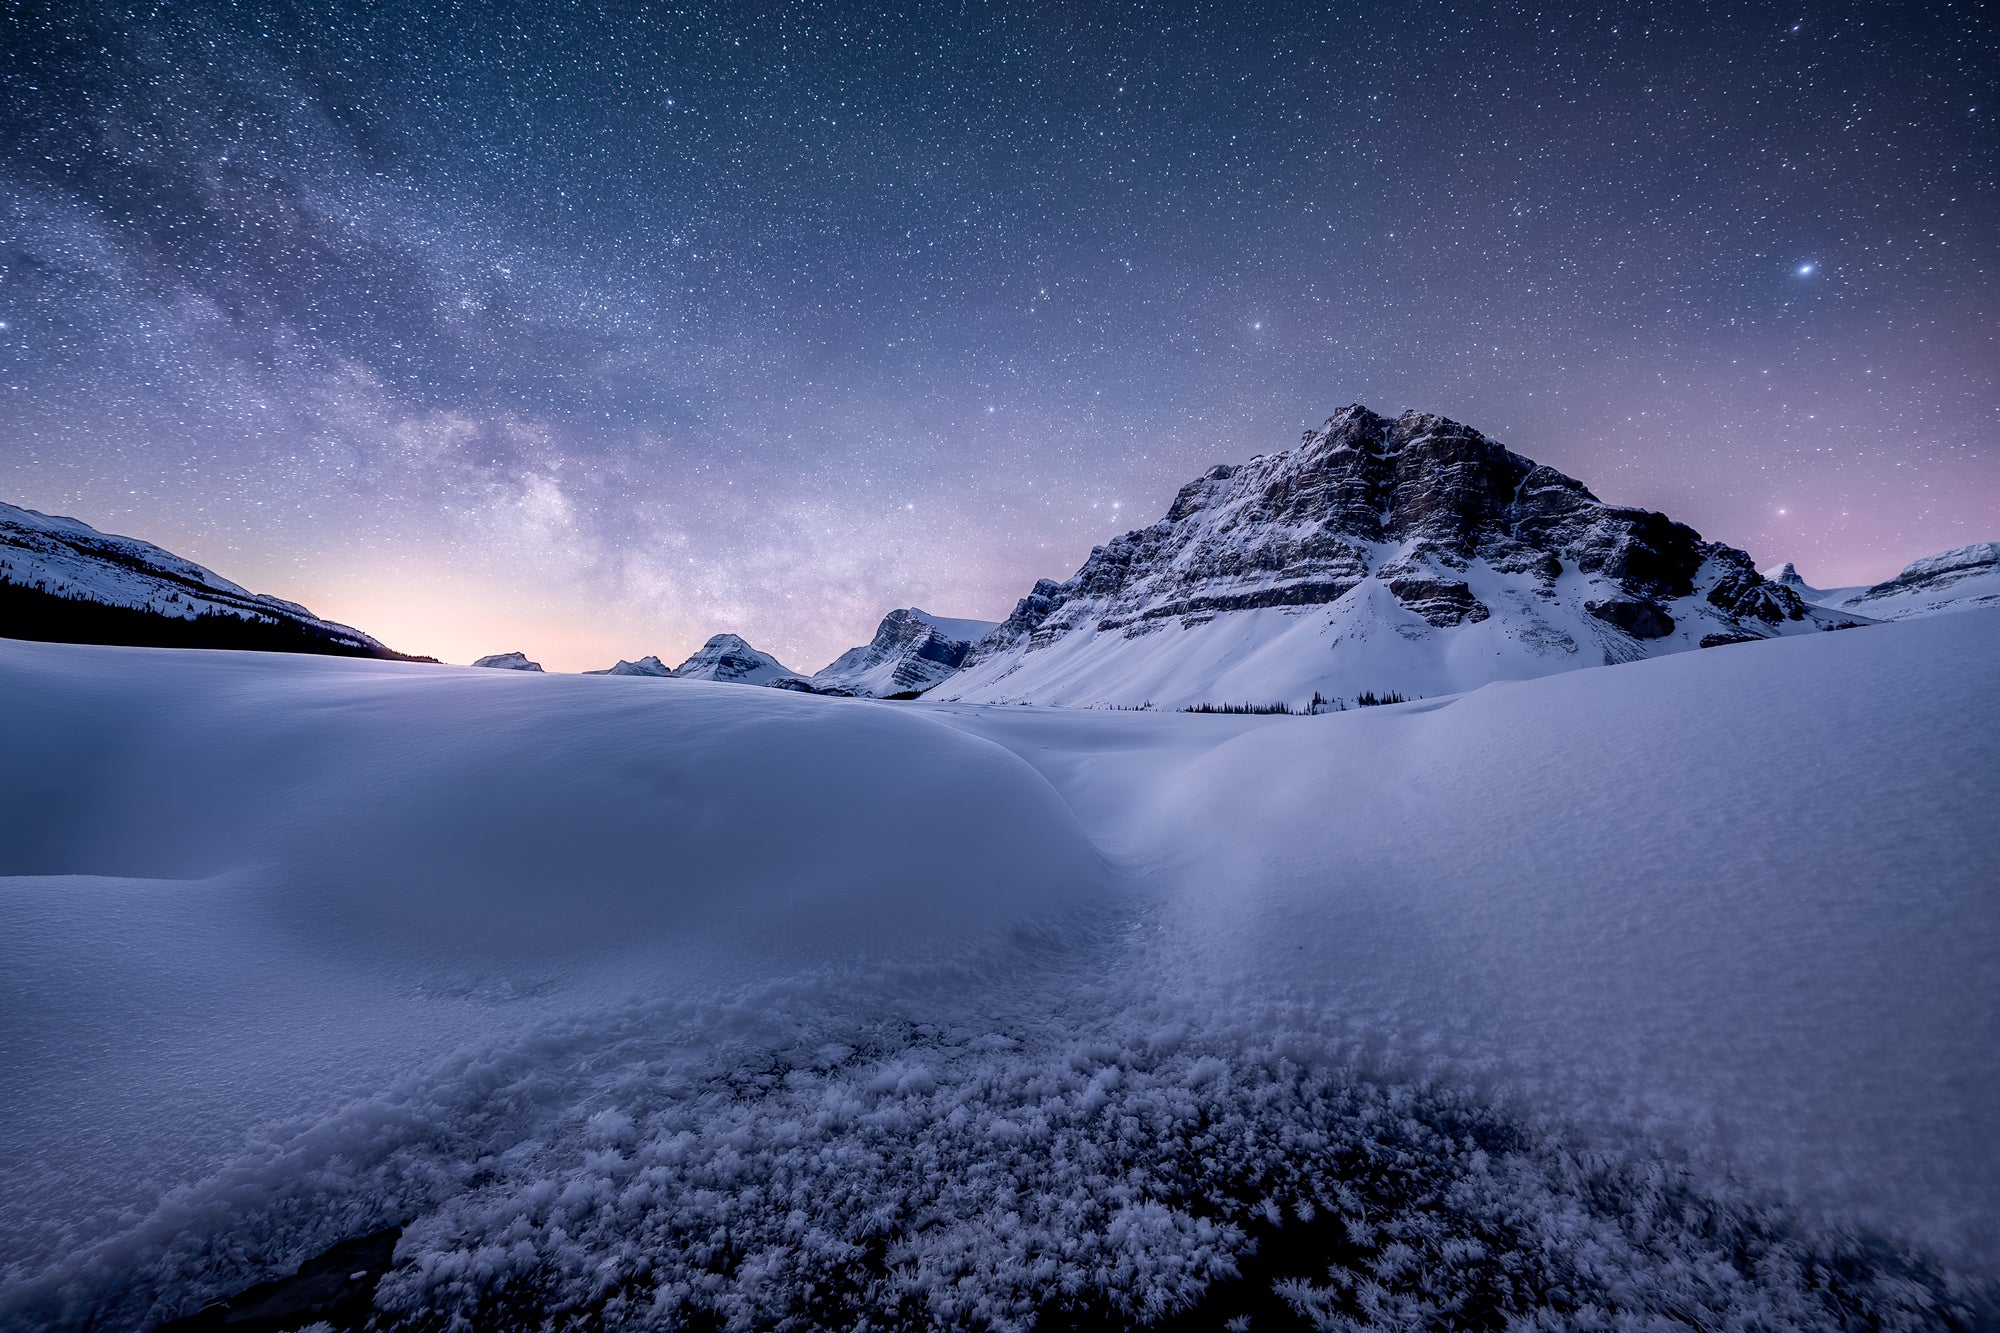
<point>1962,579</point>
<point>912,650</point>
<point>64,581</point>
<point>645,666</point>
<point>1410,554</point>
<point>508,662</point>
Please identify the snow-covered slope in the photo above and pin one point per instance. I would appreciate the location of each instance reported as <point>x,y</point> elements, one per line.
<point>645,666</point>
<point>61,562</point>
<point>1685,888</point>
<point>1957,580</point>
<point>508,662</point>
<point>1629,999</point>
<point>1412,554</point>
<point>730,659</point>
<point>911,650</point>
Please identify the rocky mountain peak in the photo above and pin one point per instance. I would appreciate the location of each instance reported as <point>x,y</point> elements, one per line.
<point>912,650</point>
<point>1432,522</point>
<point>729,657</point>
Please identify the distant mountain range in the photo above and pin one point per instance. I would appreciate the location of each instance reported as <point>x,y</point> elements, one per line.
<point>1956,580</point>
<point>1411,555</point>
<point>64,581</point>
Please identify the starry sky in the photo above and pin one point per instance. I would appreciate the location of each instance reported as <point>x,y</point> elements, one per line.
<point>591,329</point>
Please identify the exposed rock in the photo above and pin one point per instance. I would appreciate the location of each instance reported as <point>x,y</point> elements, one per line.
<point>1441,602</point>
<point>1641,620</point>
<point>336,1288</point>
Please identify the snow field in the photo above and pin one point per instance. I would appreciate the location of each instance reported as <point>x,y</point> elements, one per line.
<point>1628,999</point>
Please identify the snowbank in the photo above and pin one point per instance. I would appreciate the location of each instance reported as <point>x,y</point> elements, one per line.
<point>236,887</point>
<point>648,1004</point>
<point>1752,892</point>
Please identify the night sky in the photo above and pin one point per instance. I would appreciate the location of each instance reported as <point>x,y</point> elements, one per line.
<point>593,329</point>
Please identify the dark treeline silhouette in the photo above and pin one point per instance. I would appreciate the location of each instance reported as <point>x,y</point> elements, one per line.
<point>34,613</point>
<point>1320,704</point>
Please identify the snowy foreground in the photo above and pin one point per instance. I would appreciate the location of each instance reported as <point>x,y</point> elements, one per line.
<point>1638,997</point>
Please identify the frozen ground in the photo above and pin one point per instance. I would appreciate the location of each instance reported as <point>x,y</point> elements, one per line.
<point>1663,989</point>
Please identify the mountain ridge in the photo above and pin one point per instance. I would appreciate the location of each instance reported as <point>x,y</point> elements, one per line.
<point>1421,548</point>
<point>63,580</point>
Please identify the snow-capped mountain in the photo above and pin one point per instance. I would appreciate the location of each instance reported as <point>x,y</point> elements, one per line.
<point>62,579</point>
<point>912,650</point>
<point>508,662</point>
<point>1955,580</point>
<point>1788,575</point>
<point>645,666</point>
<point>727,657</point>
<point>1410,554</point>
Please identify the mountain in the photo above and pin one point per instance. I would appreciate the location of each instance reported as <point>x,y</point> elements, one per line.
<point>912,650</point>
<point>1956,580</point>
<point>64,581</point>
<point>508,662</point>
<point>645,666</point>
<point>1788,575</point>
<point>1411,554</point>
<point>727,657</point>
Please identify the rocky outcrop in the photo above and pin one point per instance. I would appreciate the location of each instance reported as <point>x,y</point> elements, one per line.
<point>1409,553</point>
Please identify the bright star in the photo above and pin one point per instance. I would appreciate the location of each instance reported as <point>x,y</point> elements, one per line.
<point>1805,270</point>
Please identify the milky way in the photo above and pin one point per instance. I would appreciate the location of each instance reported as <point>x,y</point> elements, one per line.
<point>591,330</point>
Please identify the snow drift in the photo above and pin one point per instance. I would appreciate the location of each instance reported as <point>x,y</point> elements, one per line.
<point>1662,990</point>
<point>235,888</point>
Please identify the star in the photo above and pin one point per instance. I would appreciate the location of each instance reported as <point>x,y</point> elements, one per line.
<point>1805,270</point>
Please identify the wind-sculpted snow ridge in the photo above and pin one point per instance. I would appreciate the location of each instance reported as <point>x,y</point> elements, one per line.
<point>912,650</point>
<point>1412,554</point>
<point>72,579</point>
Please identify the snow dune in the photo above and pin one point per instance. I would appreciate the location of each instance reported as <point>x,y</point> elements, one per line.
<point>234,888</point>
<point>638,1001</point>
